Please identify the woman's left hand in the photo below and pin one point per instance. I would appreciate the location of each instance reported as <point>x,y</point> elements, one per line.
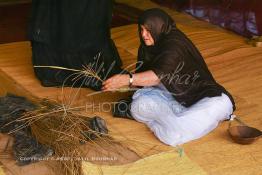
<point>115,82</point>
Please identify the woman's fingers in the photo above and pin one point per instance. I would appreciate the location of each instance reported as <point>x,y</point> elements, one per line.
<point>107,86</point>
<point>107,81</point>
<point>115,82</point>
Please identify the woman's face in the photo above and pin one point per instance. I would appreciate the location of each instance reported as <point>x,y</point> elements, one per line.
<point>146,36</point>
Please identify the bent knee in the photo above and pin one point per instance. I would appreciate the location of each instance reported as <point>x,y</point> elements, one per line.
<point>143,105</point>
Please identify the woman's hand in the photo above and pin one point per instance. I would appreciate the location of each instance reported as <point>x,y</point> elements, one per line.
<point>147,78</point>
<point>115,82</point>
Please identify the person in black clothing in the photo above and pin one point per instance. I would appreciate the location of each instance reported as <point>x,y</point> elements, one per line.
<point>180,100</point>
<point>72,34</point>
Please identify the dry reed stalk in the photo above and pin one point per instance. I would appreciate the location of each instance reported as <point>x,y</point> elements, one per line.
<point>61,128</point>
<point>62,131</point>
<point>86,71</point>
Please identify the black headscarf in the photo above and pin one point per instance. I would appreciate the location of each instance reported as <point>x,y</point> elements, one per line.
<point>158,22</point>
<point>175,60</point>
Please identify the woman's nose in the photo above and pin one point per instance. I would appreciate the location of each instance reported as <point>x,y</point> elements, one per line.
<point>144,33</point>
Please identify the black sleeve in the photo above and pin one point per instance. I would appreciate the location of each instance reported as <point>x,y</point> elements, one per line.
<point>141,64</point>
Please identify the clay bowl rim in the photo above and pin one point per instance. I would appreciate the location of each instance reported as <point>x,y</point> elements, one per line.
<point>237,137</point>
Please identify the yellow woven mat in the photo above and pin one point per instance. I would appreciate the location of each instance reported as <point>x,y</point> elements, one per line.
<point>164,163</point>
<point>1,170</point>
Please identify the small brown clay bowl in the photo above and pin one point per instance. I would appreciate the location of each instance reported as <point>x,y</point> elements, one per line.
<point>244,134</point>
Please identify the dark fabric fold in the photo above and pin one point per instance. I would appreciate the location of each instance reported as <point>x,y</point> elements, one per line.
<point>71,34</point>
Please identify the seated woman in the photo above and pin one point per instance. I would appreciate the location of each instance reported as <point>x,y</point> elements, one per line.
<point>72,34</point>
<point>180,100</point>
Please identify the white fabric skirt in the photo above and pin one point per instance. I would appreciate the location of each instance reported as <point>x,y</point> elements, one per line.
<point>173,123</point>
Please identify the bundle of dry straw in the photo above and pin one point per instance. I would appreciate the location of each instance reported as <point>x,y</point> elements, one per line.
<point>62,130</point>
